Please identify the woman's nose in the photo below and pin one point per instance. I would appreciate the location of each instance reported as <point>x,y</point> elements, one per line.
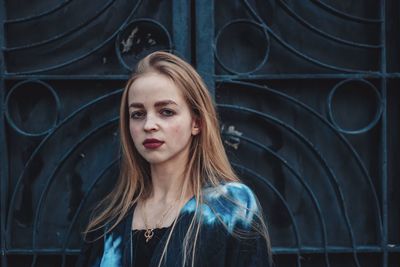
<point>150,123</point>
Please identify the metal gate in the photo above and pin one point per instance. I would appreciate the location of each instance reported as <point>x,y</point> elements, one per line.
<point>308,96</point>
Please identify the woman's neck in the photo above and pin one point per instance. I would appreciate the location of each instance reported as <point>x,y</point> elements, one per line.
<point>171,190</point>
<point>168,183</point>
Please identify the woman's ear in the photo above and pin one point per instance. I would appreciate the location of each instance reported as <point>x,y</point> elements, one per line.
<point>196,126</point>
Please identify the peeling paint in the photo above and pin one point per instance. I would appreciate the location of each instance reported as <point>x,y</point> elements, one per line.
<point>128,43</point>
<point>232,141</point>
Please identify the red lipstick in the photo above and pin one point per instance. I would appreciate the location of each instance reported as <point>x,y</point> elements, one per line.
<point>152,143</point>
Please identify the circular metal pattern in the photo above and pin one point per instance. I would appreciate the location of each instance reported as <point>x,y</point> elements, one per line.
<point>242,46</point>
<point>354,94</point>
<point>140,38</point>
<point>32,108</point>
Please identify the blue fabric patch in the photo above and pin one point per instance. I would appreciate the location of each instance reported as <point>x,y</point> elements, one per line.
<point>232,203</point>
<point>112,252</point>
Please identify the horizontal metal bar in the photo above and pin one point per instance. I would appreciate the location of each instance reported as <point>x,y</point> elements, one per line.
<point>50,251</point>
<point>372,75</point>
<point>332,249</point>
<point>124,77</point>
<point>68,77</point>
<point>275,250</point>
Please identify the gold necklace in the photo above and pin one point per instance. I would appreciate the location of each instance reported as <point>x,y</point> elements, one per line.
<point>149,233</point>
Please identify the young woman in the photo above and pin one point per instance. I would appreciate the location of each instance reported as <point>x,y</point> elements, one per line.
<point>177,201</point>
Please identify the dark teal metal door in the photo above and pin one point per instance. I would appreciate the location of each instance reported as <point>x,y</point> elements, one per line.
<point>308,95</point>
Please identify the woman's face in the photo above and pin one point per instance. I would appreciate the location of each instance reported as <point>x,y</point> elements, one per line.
<point>161,124</point>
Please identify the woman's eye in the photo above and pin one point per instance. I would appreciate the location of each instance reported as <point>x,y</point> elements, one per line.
<point>167,112</point>
<point>137,115</point>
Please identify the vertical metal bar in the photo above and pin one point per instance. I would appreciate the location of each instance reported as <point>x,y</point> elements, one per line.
<point>205,42</point>
<point>384,166</point>
<point>3,144</point>
<point>383,146</point>
<point>181,27</point>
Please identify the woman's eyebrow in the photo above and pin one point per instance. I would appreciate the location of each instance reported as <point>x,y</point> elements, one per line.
<point>136,105</point>
<point>164,103</point>
<point>161,103</point>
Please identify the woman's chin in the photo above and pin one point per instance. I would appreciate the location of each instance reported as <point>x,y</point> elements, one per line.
<point>154,160</point>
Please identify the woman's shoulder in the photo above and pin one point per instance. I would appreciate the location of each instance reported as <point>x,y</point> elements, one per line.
<point>236,192</point>
<point>232,203</point>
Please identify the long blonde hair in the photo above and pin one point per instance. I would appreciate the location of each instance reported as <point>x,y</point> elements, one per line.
<point>207,165</point>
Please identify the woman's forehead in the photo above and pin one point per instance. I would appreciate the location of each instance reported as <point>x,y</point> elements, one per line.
<point>154,87</point>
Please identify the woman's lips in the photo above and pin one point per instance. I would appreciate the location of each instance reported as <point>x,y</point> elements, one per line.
<point>152,143</point>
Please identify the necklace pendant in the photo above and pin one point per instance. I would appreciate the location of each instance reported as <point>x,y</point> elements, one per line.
<point>148,234</point>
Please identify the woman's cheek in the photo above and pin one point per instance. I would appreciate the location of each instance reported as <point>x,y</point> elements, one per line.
<point>178,131</point>
<point>134,133</point>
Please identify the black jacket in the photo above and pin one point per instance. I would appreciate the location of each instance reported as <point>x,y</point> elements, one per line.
<point>216,246</point>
